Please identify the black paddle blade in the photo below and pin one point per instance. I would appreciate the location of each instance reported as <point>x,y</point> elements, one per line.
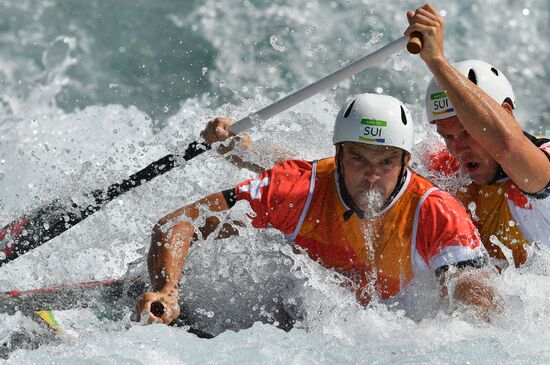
<point>40,226</point>
<point>45,223</point>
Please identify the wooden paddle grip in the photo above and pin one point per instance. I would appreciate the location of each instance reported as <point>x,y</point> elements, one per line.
<point>414,45</point>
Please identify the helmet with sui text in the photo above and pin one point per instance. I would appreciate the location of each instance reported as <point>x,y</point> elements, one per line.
<point>376,120</point>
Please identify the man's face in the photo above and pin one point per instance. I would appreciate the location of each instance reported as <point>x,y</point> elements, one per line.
<point>370,173</point>
<point>479,164</point>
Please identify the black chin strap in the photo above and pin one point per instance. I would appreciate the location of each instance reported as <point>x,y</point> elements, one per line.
<point>344,193</point>
<point>346,197</point>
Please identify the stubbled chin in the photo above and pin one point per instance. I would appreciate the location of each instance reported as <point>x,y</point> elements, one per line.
<point>479,179</point>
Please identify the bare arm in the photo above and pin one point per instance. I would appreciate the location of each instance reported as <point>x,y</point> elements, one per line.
<point>490,124</point>
<point>171,239</point>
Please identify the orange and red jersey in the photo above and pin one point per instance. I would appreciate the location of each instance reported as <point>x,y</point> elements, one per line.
<point>423,228</point>
<point>503,214</point>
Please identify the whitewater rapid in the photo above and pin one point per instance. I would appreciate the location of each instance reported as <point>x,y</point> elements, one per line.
<point>92,92</point>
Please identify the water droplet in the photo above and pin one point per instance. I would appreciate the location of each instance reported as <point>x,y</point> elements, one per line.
<point>274,41</point>
<point>311,29</point>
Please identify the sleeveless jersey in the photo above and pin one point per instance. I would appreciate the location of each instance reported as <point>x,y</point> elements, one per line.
<point>422,229</point>
<point>501,211</point>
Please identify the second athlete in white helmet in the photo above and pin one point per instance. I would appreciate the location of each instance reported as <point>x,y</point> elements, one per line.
<point>472,106</point>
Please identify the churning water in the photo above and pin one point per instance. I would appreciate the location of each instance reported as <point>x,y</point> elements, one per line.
<point>92,91</point>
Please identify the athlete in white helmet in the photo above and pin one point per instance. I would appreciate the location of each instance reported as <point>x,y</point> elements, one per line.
<point>471,103</point>
<point>363,213</point>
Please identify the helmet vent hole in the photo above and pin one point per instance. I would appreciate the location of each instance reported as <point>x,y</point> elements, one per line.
<point>472,76</point>
<point>348,110</point>
<point>495,71</point>
<point>403,115</point>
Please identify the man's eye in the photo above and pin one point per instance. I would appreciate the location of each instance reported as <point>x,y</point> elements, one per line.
<point>387,162</point>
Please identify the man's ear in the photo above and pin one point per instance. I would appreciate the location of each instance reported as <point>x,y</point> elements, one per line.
<point>508,108</point>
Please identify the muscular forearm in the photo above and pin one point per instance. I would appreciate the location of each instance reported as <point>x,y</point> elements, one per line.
<point>170,244</point>
<point>172,237</point>
<point>167,254</point>
<point>484,118</point>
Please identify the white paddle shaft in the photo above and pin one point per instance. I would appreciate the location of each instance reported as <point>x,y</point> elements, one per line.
<point>290,100</point>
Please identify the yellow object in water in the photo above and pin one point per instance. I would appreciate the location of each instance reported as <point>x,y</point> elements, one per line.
<point>49,318</point>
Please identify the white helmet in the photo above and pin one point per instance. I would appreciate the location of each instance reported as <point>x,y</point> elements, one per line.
<point>377,120</point>
<point>485,76</point>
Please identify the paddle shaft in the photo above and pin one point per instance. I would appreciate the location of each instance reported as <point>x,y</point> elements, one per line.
<point>45,223</point>
<point>345,72</point>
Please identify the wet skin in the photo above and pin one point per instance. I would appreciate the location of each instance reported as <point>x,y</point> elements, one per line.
<point>370,171</point>
<point>479,164</point>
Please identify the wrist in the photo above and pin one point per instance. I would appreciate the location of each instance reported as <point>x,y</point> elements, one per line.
<point>171,292</point>
<point>436,63</point>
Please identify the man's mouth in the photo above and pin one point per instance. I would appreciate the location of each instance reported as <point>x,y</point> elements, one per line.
<point>370,189</point>
<point>371,194</point>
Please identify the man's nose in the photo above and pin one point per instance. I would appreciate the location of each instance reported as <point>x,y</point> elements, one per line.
<point>372,175</point>
<point>457,147</point>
